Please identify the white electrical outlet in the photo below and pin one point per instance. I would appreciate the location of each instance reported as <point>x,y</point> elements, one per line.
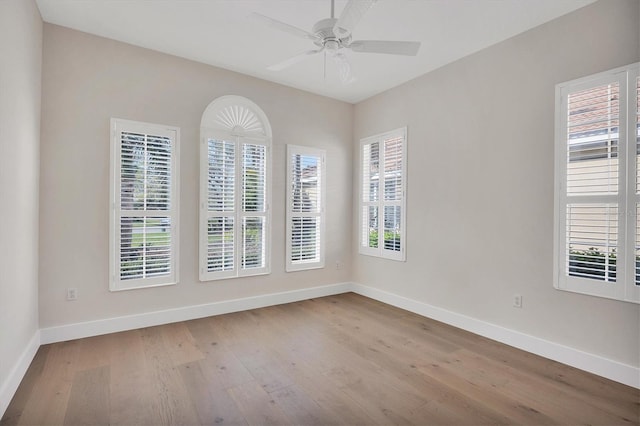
<point>338,265</point>
<point>517,301</point>
<point>72,294</point>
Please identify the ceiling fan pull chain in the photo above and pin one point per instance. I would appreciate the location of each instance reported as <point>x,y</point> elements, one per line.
<point>324,67</point>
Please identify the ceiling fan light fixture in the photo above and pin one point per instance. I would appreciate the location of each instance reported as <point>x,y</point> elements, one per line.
<point>331,46</point>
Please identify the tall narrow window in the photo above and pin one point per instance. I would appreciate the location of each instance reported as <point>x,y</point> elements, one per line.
<point>234,190</point>
<point>144,199</point>
<point>305,208</point>
<point>597,185</point>
<point>383,195</point>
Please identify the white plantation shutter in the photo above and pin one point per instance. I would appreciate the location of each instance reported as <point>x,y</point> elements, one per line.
<point>254,213</point>
<point>235,190</point>
<point>305,208</point>
<point>383,195</point>
<point>597,185</point>
<point>221,190</point>
<point>370,153</point>
<point>144,221</point>
<point>393,191</point>
<point>592,137</point>
<point>635,126</point>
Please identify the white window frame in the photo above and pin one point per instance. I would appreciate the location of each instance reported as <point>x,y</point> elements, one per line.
<point>320,154</point>
<point>237,120</point>
<point>380,251</point>
<point>117,127</point>
<point>623,288</point>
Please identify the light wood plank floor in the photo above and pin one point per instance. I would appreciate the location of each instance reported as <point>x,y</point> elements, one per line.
<point>335,360</point>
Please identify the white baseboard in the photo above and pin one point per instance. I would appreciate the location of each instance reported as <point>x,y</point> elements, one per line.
<point>149,319</point>
<point>10,386</point>
<point>595,364</point>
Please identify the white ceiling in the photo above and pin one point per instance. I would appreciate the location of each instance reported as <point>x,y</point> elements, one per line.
<point>220,33</point>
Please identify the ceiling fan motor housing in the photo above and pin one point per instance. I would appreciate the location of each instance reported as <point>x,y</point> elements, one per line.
<point>327,38</point>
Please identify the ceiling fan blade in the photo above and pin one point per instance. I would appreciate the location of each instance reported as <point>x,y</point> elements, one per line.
<point>279,25</point>
<point>344,68</point>
<point>351,15</point>
<point>294,60</point>
<point>408,48</point>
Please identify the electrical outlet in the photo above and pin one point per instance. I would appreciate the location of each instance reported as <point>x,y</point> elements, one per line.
<point>72,294</point>
<point>338,265</point>
<point>517,301</point>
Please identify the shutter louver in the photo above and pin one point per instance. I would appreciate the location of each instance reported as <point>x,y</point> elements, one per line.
<point>637,241</point>
<point>392,228</point>
<point>592,144</point>
<point>382,200</point>
<point>305,239</point>
<point>637,126</point>
<point>392,192</point>
<point>592,171</point>
<point>370,191</point>
<point>223,196</point>
<point>221,175</point>
<point>221,171</point>
<point>144,216</point>
<point>220,247</point>
<point>637,247</point>
<point>371,168</point>
<point>234,190</point>
<point>145,222</point>
<point>592,234</point>
<point>393,169</point>
<point>253,206</point>
<point>370,226</point>
<point>253,177</point>
<point>306,191</point>
<point>253,243</point>
<point>597,185</point>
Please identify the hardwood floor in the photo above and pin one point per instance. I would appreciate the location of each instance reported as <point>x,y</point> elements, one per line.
<point>342,359</point>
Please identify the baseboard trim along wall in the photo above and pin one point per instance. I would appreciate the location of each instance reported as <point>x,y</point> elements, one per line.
<point>595,364</point>
<point>10,386</point>
<point>149,319</point>
<point>604,367</point>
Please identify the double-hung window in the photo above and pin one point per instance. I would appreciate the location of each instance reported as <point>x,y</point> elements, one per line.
<point>305,208</point>
<point>144,205</point>
<point>383,164</point>
<point>235,161</point>
<point>597,185</point>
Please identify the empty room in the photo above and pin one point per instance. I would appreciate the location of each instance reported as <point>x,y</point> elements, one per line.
<point>314,212</point>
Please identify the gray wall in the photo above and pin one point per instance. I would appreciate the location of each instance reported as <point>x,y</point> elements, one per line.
<point>20,65</point>
<point>480,182</point>
<point>86,81</point>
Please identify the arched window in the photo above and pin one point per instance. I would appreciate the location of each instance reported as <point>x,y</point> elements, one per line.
<point>235,189</point>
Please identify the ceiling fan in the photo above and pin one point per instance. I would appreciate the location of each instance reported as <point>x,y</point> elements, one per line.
<point>332,36</point>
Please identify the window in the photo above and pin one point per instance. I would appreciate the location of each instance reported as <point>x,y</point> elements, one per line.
<point>305,208</point>
<point>383,195</point>
<point>144,205</point>
<point>597,188</point>
<point>234,190</point>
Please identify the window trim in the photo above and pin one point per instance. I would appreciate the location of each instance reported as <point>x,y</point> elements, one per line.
<point>380,251</point>
<point>117,126</point>
<point>291,266</point>
<point>215,125</point>
<point>623,288</point>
